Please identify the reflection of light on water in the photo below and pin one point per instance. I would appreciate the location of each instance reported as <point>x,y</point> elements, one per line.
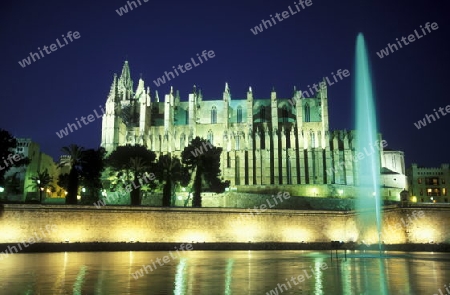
<point>180,277</point>
<point>79,281</point>
<point>318,284</point>
<point>383,283</point>
<point>228,276</point>
<point>295,234</point>
<point>346,279</point>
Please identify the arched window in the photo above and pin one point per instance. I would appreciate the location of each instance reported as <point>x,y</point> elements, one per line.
<point>213,115</point>
<point>239,114</point>
<point>285,114</point>
<point>307,113</point>
<point>262,114</point>
<point>182,141</point>
<point>210,137</point>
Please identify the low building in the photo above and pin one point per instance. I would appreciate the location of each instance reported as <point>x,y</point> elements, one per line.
<point>429,184</point>
<point>24,188</point>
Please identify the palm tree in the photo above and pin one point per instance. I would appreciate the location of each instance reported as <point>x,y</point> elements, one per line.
<point>41,181</point>
<point>170,171</point>
<point>137,167</point>
<point>74,161</point>
<point>205,157</point>
<point>91,172</point>
<point>133,161</point>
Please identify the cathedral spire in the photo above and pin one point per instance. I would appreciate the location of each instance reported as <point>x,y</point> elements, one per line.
<point>113,90</point>
<point>227,89</point>
<point>125,82</point>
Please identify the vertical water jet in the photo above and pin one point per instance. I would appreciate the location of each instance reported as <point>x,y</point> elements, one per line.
<point>368,201</point>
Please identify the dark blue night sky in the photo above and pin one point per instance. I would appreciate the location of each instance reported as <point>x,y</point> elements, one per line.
<point>72,81</point>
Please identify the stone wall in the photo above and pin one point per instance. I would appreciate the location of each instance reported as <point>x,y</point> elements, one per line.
<point>56,224</point>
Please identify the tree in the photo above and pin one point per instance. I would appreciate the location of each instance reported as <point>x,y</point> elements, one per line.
<point>170,171</point>
<point>42,181</point>
<point>75,162</point>
<point>132,161</point>
<point>91,172</point>
<point>205,157</point>
<point>7,145</point>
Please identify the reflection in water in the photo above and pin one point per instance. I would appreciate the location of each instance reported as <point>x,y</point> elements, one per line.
<point>318,287</point>
<point>382,281</point>
<point>180,279</point>
<point>77,287</point>
<point>228,276</point>
<point>224,272</point>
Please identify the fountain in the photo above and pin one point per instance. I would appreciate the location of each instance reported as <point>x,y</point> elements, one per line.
<point>368,202</point>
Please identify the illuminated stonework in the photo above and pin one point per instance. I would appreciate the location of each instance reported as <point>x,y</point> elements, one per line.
<point>274,141</point>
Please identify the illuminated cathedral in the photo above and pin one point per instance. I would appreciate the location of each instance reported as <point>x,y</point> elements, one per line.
<point>271,142</point>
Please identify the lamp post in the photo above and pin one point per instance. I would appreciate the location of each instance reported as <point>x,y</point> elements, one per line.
<point>2,189</point>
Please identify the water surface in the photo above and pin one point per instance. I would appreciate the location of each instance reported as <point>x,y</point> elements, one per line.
<point>224,272</point>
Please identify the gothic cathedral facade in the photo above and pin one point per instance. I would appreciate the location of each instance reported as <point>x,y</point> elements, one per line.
<point>265,142</point>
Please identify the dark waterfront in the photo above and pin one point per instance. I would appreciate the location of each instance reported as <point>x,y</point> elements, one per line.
<point>224,272</point>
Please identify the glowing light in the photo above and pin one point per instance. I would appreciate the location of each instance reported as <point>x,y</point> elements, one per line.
<point>180,277</point>
<point>9,234</point>
<point>414,199</point>
<point>295,234</point>
<point>2,189</point>
<point>78,197</point>
<point>195,237</point>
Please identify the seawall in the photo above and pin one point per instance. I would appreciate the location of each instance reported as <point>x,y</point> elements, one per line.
<point>123,224</point>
